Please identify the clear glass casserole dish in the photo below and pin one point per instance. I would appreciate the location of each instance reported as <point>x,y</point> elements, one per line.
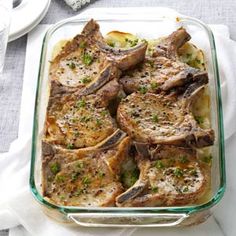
<point>142,216</point>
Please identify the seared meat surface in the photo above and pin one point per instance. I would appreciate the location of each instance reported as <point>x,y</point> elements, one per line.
<point>162,70</point>
<point>177,178</point>
<point>81,121</point>
<point>83,177</point>
<point>120,128</point>
<point>86,62</point>
<point>158,119</point>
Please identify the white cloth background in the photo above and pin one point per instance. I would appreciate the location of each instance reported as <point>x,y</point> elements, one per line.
<point>17,206</point>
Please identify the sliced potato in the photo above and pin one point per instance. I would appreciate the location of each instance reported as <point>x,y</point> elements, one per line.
<point>193,56</point>
<point>119,39</point>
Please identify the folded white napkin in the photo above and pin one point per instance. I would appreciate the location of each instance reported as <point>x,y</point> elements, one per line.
<point>17,206</point>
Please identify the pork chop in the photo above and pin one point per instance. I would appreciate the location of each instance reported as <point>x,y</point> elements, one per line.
<point>84,177</point>
<point>86,62</point>
<point>76,121</point>
<point>157,119</point>
<point>162,70</point>
<point>176,178</point>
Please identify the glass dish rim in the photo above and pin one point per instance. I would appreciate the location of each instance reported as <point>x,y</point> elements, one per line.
<point>176,209</point>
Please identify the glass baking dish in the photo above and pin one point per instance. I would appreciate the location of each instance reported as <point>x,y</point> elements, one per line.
<point>142,216</point>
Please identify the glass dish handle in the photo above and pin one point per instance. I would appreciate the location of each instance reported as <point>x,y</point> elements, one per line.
<point>127,219</point>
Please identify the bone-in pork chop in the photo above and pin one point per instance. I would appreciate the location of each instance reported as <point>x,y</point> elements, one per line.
<point>162,70</point>
<point>176,178</point>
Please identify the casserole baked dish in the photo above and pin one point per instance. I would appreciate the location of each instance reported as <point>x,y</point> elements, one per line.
<point>129,215</point>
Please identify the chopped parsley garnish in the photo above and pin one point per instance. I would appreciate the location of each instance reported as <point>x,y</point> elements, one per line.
<point>86,180</point>
<point>75,175</point>
<point>74,119</point>
<point>82,45</point>
<point>183,159</point>
<point>132,43</point>
<point>81,103</point>
<point>78,192</point>
<point>143,89</point>
<point>55,168</point>
<point>188,55</point>
<point>151,63</point>
<point>199,119</point>
<point>70,146</point>
<point>80,165</point>
<point>155,118</point>
<point>85,119</point>
<point>159,164</point>
<point>87,59</point>
<point>62,197</point>
<point>98,122</point>
<point>86,80</point>
<point>207,159</point>
<point>154,85</point>
<point>104,113</point>
<point>198,61</point>
<point>154,189</point>
<point>178,172</point>
<point>60,178</point>
<point>111,44</point>
<point>101,174</point>
<point>193,172</point>
<point>185,189</point>
<point>129,177</point>
<point>71,65</point>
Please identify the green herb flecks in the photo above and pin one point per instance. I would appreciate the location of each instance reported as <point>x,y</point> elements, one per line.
<point>178,172</point>
<point>143,89</point>
<point>81,103</point>
<point>189,55</point>
<point>85,119</point>
<point>98,122</point>
<point>86,180</point>
<point>193,172</point>
<point>199,119</point>
<point>155,189</point>
<point>183,159</point>
<point>151,63</point>
<point>55,168</point>
<point>111,44</point>
<point>101,174</point>
<point>75,175</point>
<point>71,65</point>
<point>77,192</point>
<point>154,85</point>
<point>60,178</point>
<point>104,112</point>
<point>87,59</point>
<point>207,159</point>
<point>128,178</point>
<point>132,43</point>
<point>155,118</point>
<point>70,146</point>
<point>80,165</point>
<point>185,189</point>
<point>86,80</point>
<point>159,164</point>
<point>82,44</point>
